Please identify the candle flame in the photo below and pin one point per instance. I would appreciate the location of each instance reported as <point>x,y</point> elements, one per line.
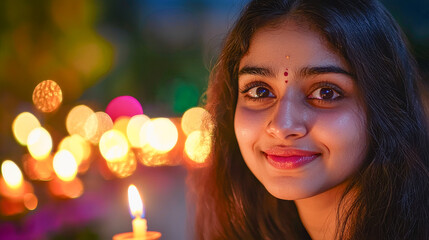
<point>135,201</point>
<point>12,174</point>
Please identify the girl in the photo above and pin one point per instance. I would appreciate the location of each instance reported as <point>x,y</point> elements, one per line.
<point>319,127</point>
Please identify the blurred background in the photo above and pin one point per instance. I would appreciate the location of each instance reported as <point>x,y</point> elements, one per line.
<point>160,53</point>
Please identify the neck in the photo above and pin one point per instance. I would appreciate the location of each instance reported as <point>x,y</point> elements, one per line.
<point>319,213</point>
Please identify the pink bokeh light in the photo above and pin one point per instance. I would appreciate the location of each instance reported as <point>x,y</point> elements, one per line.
<point>123,106</point>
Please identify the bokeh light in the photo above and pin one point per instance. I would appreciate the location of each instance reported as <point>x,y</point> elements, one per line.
<point>123,167</point>
<point>30,201</point>
<point>62,189</point>
<point>9,207</point>
<point>97,124</point>
<point>113,145</point>
<point>149,156</point>
<point>77,146</point>
<point>41,170</point>
<point>133,130</point>
<point>193,119</point>
<point>123,106</point>
<point>161,134</point>
<point>198,146</point>
<point>65,165</point>
<point>76,119</point>
<point>11,173</point>
<point>121,124</point>
<point>47,96</point>
<point>23,124</point>
<point>39,143</point>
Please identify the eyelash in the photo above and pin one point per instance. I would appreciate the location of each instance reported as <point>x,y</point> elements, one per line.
<point>319,85</point>
<point>329,85</point>
<point>251,85</point>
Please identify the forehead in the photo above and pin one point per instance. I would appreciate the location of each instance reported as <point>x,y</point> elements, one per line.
<point>305,46</point>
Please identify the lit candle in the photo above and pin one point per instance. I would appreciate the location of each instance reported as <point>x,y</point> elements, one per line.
<point>12,184</point>
<point>16,192</point>
<point>139,222</point>
<point>136,209</point>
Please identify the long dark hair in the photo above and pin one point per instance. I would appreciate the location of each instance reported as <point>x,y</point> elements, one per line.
<point>391,192</point>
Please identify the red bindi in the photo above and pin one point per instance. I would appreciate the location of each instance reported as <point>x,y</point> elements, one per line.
<point>286,74</point>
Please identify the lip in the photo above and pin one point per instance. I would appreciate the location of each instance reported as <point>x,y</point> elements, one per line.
<point>289,158</point>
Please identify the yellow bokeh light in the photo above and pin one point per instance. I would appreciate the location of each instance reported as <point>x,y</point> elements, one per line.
<point>97,124</point>
<point>12,175</point>
<point>65,165</point>
<point>198,146</point>
<point>77,146</point>
<point>23,124</point>
<point>39,143</point>
<point>121,124</point>
<point>30,201</point>
<point>151,157</point>
<point>195,119</point>
<point>123,167</point>
<point>133,130</point>
<point>47,96</point>
<point>161,134</point>
<point>76,120</point>
<point>113,145</point>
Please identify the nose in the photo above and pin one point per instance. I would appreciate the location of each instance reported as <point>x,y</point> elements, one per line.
<point>287,120</point>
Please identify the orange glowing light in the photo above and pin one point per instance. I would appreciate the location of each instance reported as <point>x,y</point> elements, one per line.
<point>195,119</point>
<point>41,170</point>
<point>65,165</point>
<point>113,145</point>
<point>124,167</point>
<point>23,124</point>
<point>161,134</point>
<point>12,175</point>
<point>47,96</point>
<point>97,124</point>
<point>135,201</point>
<point>133,130</point>
<point>71,189</point>
<point>198,146</point>
<point>39,143</point>
<point>76,120</point>
<point>30,201</point>
<point>77,146</point>
<point>9,207</point>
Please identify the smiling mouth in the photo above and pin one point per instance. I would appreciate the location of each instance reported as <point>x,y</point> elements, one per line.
<point>290,161</point>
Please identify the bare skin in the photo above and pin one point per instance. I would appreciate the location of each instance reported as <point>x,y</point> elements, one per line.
<point>304,138</point>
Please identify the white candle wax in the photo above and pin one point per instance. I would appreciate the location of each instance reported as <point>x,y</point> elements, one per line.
<point>139,227</point>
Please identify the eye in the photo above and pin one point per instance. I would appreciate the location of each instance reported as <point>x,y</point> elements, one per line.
<point>259,92</point>
<point>326,93</point>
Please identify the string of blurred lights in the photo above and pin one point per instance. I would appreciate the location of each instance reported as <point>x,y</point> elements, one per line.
<point>122,136</point>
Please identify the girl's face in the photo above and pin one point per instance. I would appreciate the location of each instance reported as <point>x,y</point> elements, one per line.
<point>299,121</point>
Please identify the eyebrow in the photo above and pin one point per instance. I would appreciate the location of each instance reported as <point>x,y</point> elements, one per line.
<point>252,70</point>
<point>317,70</point>
<point>303,72</point>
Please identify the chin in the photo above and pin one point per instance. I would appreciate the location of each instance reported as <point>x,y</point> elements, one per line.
<point>288,193</point>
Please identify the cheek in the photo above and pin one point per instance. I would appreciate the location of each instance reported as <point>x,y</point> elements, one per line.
<point>344,136</point>
<point>248,125</point>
